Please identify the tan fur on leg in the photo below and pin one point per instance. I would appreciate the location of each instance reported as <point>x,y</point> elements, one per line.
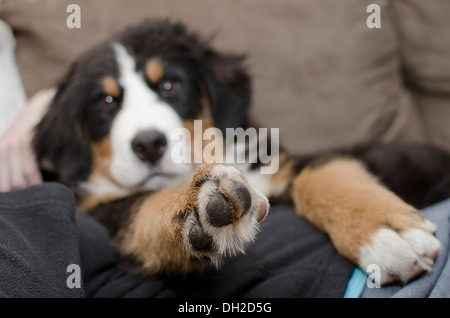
<point>343,199</point>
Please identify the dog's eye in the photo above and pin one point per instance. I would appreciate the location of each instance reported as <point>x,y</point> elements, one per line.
<point>108,102</point>
<point>169,88</point>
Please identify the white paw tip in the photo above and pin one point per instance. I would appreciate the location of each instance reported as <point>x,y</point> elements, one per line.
<point>429,226</point>
<point>400,256</point>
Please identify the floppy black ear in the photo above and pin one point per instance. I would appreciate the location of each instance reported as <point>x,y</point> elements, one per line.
<point>229,89</point>
<point>59,139</point>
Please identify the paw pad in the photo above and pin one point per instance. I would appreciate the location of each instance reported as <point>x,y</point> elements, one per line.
<point>242,196</point>
<point>198,238</point>
<point>218,210</point>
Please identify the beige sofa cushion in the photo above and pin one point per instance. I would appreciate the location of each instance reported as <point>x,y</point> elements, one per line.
<point>320,75</point>
<point>424,34</point>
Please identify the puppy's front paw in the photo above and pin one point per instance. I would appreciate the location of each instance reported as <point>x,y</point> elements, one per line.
<point>403,247</point>
<point>368,223</point>
<point>219,214</point>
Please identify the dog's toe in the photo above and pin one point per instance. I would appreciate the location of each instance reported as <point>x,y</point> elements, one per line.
<point>400,255</point>
<point>218,210</point>
<point>199,240</point>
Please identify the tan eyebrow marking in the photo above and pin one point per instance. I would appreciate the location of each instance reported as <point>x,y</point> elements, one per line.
<point>110,86</point>
<point>154,70</point>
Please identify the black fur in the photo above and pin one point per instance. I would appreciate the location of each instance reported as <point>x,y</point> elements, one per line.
<point>419,174</point>
<point>73,118</point>
<point>116,215</point>
<point>229,88</point>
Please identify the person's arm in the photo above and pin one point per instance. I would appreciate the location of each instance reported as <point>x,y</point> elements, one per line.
<point>18,167</point>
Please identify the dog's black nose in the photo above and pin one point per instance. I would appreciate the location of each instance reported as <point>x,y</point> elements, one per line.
<point>149,145</point>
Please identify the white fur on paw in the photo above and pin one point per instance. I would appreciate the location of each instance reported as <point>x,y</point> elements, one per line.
<point>233,238</point>
<point>222,171</point>
<point>429,226</point>
<point>400,256</point>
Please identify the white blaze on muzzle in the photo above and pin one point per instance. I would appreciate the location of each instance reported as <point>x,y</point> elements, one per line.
<point>141,110</point>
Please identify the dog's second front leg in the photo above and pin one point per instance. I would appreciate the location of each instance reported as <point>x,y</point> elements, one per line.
<point>216,215</point>
<point>367,223</point>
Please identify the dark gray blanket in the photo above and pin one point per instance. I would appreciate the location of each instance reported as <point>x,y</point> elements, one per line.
<point>39,240</point>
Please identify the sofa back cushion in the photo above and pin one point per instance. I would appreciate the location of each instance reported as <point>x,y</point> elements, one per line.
<point>320,74</point>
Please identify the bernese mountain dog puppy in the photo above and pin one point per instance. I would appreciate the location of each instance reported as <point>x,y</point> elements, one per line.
<point>107,135</point>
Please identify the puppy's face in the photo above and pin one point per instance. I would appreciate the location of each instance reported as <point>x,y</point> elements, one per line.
<point>113,116</point>
<point>136,112</point>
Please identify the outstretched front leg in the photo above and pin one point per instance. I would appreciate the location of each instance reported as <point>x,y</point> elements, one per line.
<point>216,215</point>
<point>367,223</point>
